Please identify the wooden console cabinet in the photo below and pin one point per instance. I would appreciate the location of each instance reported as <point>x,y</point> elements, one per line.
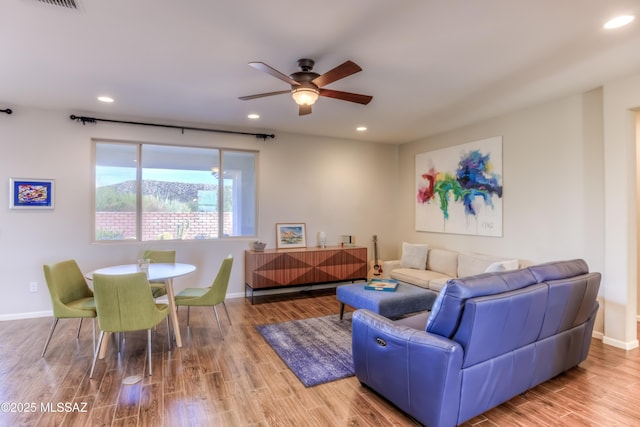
<point>278,268</point>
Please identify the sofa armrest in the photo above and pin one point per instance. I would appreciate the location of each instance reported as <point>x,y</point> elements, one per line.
<point>417,371</point>
<point>387,266</point>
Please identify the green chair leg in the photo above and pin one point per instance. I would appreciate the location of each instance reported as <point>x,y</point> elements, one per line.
<point>95,354</point>
<point>46,344</point>
<point>218,320</point>
<point>149,349</point>
<point>168,333</point>
<point>226,311</point>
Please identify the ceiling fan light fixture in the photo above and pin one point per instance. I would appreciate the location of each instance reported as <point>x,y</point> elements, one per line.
<point>305,95</point>
<point>307,85</point>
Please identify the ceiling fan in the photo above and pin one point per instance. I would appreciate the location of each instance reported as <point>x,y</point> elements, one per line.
<point>307,85</point>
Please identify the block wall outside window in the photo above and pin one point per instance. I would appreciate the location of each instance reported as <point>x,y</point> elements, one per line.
<point>155,225</point>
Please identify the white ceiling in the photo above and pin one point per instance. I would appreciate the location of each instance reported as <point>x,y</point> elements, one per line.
<point>431,65</point>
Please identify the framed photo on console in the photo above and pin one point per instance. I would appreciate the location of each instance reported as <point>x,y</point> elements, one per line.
<point>291,235</point>
<point>31,193</point>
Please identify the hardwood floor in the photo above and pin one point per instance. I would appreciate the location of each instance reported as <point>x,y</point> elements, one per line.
<point>241,382</point>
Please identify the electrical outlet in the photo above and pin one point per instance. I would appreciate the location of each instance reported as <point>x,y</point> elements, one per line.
<point>33,286</point>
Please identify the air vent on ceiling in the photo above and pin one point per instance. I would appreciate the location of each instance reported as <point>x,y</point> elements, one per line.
<point>71,4</point>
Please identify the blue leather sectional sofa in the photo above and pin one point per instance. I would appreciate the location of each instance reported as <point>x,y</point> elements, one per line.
<point>487,339</point>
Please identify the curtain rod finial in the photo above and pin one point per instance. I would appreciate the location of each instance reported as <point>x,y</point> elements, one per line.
<point>83,119</point>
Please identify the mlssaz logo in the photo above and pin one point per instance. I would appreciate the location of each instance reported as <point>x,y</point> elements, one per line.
<point>64,407</point>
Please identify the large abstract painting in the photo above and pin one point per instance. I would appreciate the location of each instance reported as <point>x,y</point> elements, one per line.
<point>459,189</point>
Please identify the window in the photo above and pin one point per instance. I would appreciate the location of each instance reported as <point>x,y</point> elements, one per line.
<point>161,192</point>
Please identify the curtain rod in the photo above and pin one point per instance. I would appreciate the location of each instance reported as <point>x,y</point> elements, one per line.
<point>6,110</point>
<point>86,120</point>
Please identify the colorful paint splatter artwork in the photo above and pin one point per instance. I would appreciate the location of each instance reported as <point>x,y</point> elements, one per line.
<point>32,194</point>
<point>465,193</point>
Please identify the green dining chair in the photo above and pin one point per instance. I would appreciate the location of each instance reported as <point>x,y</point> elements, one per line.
<point>71,297</point>
<point>124,303</point>
<point>158,288</point>
<point>211,296</point>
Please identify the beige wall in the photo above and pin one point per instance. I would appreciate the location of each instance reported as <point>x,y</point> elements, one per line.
<point>336,186</point>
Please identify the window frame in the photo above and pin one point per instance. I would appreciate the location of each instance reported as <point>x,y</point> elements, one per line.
<point>139,196</point>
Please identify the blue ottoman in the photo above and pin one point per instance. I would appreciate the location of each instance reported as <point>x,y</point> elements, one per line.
<point>406,299</point>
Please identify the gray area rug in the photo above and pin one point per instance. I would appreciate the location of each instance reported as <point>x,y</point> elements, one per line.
<point>317,350</point>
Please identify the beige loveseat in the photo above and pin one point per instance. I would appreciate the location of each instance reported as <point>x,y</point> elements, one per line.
<point>431,268</point>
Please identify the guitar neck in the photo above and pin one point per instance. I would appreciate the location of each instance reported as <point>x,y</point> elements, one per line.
<point>375,250</point>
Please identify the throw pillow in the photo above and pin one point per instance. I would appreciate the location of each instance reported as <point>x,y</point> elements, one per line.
<point>495,267</point>
<point>510,264</point>
<point>414,255</point>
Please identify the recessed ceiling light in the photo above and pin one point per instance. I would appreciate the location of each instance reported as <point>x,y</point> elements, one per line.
<point>107,99</point>
<point>361,128</point>
<point>619,21</point>
<point>253,116</point>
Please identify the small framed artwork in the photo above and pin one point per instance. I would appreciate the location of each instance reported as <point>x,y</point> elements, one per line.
<point>31,193</point>
<point>291,235</point>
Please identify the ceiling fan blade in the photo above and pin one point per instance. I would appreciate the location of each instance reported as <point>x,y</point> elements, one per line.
<point>340,72</point>
<point>272,71</point>
<point>346,96</point>
<point>262,95</point>
<point>304,110</point>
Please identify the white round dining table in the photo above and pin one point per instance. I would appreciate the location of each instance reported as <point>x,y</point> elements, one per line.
<point>157,271</point>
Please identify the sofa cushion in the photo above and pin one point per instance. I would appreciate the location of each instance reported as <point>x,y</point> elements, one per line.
<point>443,261</point>
<point>472,264</point>
<point>437,284</point>
<point>416,277</point>
<point>447,309</point>
<point>414,255</point>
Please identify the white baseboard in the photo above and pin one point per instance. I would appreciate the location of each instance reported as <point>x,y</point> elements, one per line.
<point>628,345</point>
<point>28,315</point>
<point>597,335</point>
<point>235,295</point>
